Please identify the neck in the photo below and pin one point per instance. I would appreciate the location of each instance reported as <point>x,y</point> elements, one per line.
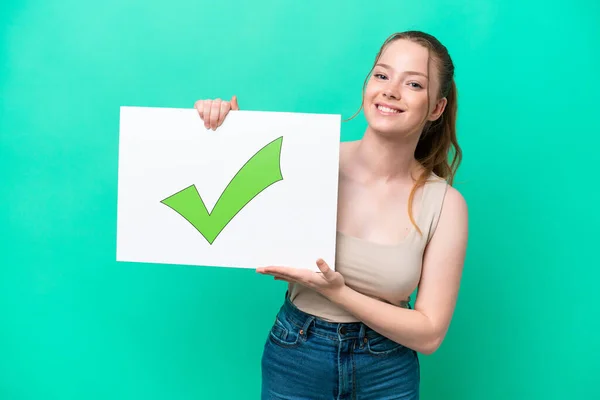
<point>386,159</point>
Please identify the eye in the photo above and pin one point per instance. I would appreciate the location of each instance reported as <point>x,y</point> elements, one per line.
<point>380,76</point>
<point>416,85</point>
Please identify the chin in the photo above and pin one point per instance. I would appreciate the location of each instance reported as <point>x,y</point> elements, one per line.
<point>390,131</point>
<point>387,132</point>
<point>385,128</point>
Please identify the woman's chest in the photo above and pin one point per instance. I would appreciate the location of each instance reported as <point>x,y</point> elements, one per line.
<point>384,271</point>
<point>378,216</point>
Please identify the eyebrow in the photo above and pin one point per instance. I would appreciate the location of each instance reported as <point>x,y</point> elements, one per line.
<point>406,72</point>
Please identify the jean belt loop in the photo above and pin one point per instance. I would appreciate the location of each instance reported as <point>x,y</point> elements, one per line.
<point>304,330</point>
<point>362,335</point>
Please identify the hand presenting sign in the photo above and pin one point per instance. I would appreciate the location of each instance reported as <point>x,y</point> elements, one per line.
<point>327,282</point>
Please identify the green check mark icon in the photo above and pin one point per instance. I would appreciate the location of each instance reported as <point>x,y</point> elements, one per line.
<point>262,170</point>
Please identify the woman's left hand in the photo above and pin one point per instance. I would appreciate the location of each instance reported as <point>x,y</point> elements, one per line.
<point>325,282</point>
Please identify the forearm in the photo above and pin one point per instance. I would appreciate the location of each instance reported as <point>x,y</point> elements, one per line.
<point>410,328</point>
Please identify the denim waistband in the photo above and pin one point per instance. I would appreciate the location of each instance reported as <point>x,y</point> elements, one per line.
<point>308,322</point>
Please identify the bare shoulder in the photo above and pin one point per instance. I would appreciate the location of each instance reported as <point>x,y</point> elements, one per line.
<point>450,235</point>
<point>452,226</point>
<point>455,202</point>
<point>454,205</point>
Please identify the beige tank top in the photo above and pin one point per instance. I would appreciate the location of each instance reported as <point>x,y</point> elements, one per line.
<point>390,273</point>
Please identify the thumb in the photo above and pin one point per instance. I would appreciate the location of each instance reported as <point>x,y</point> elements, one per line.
<point>324,268</point>
<point>234,103</point>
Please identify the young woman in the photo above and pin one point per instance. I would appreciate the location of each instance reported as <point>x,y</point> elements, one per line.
<point>352,333</point>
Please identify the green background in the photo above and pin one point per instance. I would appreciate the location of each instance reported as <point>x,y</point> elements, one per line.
<point>75,324</point>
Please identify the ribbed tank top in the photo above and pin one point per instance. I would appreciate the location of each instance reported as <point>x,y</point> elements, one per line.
<point>390,273</point>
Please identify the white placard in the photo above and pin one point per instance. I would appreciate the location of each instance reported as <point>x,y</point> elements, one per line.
<point>182,188</point>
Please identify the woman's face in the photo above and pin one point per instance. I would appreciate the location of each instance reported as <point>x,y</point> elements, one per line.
<point>396,102</point>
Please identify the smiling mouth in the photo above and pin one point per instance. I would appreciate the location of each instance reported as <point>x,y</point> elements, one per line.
<point>388,110</point>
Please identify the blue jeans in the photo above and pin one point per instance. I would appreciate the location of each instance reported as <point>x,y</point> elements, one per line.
<point>309,358</point>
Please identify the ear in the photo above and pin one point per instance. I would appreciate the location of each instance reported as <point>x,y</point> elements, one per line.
<point>440,106</point>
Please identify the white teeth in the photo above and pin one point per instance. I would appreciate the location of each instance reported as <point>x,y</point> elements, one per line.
<point>386,109</point>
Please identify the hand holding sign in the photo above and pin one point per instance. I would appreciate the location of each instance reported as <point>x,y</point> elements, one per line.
<point>213,112</point>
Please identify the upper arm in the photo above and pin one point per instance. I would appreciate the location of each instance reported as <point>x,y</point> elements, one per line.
<point>443,264</point>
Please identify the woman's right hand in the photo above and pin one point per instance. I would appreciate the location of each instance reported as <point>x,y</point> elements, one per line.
<point>213,112</point>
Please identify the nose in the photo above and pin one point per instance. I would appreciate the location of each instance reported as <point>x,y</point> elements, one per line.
<point>391,94</point>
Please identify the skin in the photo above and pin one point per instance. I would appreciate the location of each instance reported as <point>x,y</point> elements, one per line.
<point>379,169</point>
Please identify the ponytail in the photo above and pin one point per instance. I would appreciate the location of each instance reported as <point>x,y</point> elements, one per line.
<point>436,143</point>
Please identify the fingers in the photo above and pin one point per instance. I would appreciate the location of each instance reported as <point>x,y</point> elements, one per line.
<point>199,105</point>
<point>207,104</point>
<point>204,107</point>
<point>234,103</point>
<point>283,278</point>
<point>214,112</point>
<point>224,110</point>
<point>215,108</point>
<point>284,272</point>
<point>324,268</point>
